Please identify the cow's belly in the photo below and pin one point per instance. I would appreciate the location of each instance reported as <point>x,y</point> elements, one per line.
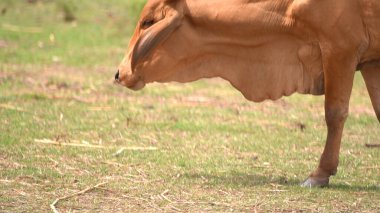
<point>371,19</point>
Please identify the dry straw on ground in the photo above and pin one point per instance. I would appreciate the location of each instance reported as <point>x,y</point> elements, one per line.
<point>53,205</point>
<point>131,148</point>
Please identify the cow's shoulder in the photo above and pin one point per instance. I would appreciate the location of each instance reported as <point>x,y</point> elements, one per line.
<point>337,25</point>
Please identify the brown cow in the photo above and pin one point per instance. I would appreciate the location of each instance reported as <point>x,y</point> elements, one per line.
<point>266,49</point>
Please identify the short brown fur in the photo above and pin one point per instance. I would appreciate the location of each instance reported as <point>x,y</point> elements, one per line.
<point>266,49</point>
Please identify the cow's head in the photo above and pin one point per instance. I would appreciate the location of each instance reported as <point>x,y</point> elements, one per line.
<point>157,45</point>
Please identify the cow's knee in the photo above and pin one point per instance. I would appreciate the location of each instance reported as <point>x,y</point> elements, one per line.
<point>336,116</point>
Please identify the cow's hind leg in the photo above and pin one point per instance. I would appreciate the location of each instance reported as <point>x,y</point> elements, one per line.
<point>339,75</point>
<point>371,75</point>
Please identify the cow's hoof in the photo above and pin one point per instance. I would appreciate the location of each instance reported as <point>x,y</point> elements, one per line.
<point>315,182</point>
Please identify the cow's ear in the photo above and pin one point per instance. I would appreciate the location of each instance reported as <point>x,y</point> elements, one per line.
<point>154,36</point>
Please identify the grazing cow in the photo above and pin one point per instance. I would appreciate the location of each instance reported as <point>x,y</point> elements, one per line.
<point>266,49</point>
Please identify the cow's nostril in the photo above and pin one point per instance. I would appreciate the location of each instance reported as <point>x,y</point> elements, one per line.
<point>117,76</point>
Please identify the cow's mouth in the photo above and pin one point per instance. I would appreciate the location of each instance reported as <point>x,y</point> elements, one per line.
<point>133,85</point>
<point>136,86</point>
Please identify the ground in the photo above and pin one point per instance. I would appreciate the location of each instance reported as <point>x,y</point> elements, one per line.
<point>214,150</point>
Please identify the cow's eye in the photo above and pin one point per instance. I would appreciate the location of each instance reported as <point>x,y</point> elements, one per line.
<point>147,23</point>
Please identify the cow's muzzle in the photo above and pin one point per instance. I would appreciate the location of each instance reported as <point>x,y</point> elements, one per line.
<point>133,83</point>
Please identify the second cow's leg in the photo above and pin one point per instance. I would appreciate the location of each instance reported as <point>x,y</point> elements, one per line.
<point>371,75</point>
<point>339,75</point>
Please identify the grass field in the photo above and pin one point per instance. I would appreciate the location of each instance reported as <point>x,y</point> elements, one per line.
<point>215,151</point>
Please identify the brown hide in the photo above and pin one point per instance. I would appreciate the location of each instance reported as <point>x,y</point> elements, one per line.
<point>266,49</point>
<point>262,47</point>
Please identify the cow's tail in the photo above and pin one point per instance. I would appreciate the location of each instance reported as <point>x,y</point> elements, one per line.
<point>371,75</point>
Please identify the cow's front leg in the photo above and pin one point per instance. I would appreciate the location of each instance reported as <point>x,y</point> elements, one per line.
<point>339,75</point>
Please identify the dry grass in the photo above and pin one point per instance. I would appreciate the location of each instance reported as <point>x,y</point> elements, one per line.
<point>191,171</point>
<point>215,151</point>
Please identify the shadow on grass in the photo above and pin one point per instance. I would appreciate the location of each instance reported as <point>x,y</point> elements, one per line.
<point>239,179</point>
<point>355,188</point>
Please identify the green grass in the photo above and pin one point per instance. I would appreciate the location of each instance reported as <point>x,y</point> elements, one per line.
<point>216,151</point>
<point>38,33</point>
